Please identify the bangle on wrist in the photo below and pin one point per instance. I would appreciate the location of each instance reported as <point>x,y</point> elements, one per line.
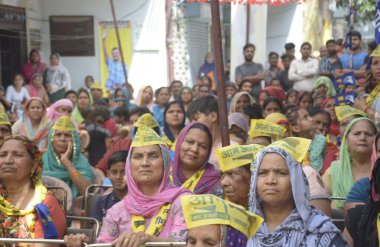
<point>74,174</point>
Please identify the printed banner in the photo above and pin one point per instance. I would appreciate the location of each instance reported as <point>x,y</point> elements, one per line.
<point>345,111</point>
<point>297,147</point>
<point>261,127</point>
<point>233,156</point>
<point>344,99</point>
<point>107,33</point>
<point>344,81</point>
<point>202,210</point>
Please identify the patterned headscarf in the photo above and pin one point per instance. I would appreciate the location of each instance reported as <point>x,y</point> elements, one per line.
<point>304,224</point>
<point>16,223</point>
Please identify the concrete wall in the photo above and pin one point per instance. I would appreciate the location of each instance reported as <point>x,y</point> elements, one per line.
<point>148,66</point>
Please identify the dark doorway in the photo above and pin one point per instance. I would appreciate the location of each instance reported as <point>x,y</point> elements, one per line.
<point>13,53</point>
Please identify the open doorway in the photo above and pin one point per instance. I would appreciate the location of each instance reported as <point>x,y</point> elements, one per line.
<point>13,50</point>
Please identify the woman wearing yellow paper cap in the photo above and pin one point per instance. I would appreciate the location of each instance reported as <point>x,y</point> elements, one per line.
<point>280,194</point>
<point>62,158</point>
<point>190,168</point>
<point>263,132</point>
<point>235,162</point>
<point>212,221</point>
<point>151,212</point>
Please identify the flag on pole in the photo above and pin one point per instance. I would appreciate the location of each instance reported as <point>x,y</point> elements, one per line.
<point>377,26</point>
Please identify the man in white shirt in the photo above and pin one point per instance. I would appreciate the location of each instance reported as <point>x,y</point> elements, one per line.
<point>304,71</point>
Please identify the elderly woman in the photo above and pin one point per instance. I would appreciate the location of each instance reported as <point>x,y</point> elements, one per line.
<point>63,159</point>
<point>354,158</point>
<point>239,101</point>
<point>280,194</point>
<point>151,212</point>
<point>34,124</point>
<point>190,168</point>
<point>62,107</point>
<point>235,163</point>
<point>27,210</point>
<point>174,122</point>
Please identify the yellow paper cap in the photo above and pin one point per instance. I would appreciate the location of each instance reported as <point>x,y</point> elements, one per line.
<point>145,137</point>
<point>277,118</point>
<point>146,120</point>
<point>4,117</point>
<point>203,210</point>
<point>345,111</point>
<point>233,156</point>
<point>297,147</point>
<point>260,127</point>
<point>376,52</point>
<point>64,123</point>
<point>96,85</point>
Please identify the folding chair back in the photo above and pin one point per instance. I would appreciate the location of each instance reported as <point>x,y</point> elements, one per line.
<point>61,191</point>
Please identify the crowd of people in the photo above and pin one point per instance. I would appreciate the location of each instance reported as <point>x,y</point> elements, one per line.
<point>304,137</point>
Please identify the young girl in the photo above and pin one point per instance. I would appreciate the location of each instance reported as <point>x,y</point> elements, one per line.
<point>291,97</point>
<point>302,125</point>
<point>245,86</point>
<point>305,101</point>
<point>17,94</point>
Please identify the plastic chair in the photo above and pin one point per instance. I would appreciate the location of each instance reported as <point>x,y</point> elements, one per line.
<point>61,190</point>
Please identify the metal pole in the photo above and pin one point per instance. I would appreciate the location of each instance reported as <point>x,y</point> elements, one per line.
<point>248,23</point>
<point>217,39</point>
<point>119,42</point>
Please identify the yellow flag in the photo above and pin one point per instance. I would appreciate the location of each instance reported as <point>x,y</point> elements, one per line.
<point>297,147</point>
<point>345,111</point>
<point>202,210</point>
<point>146,120</point>
<point>4,116</point>
<point>145,137</point>
<point>376,52</point>
<point>261,127</point>
<point>233,156</point>
<point>64,123</point>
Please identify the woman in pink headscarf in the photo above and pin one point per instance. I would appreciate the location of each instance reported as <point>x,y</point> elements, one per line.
<point>149,193</point>
<point>35,66</point>
<point>191,168</point>
<point>62,107</point>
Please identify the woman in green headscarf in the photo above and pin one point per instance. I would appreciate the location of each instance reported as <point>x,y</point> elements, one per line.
<point>84,101</point>
<point>354,159</point>
<point>63,159</point>
<point>324,87</point>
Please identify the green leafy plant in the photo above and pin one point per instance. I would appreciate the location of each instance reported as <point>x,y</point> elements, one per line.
<point>365,10</point>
